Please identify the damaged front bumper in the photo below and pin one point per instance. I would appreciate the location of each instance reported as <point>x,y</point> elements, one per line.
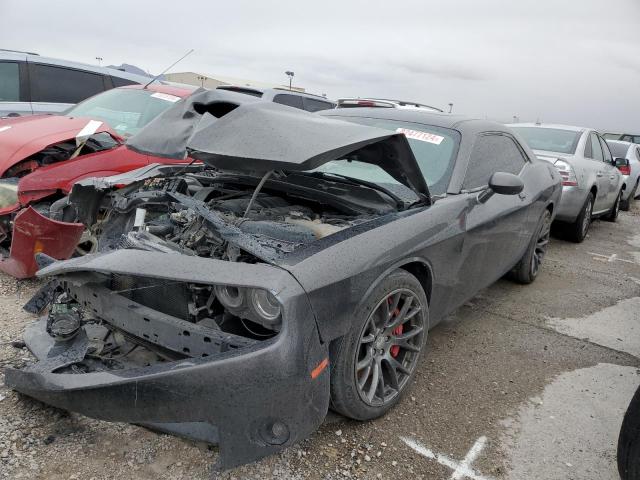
<point>34,233</point>
<point>251,397</point>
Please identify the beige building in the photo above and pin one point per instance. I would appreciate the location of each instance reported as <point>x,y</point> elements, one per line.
<point>213,81</point>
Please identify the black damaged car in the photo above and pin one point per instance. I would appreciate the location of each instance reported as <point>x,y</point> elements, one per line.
<point>299,269</point>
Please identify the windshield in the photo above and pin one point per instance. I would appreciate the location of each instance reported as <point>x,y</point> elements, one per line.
<point>550,139</point>
<point>434,148</point>
<point>123,109</point>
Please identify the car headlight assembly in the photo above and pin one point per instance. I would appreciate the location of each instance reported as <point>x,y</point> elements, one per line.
<point>266,305</point>
<point>230,297</point>
<point>254,304</point>
<point>8,192</point>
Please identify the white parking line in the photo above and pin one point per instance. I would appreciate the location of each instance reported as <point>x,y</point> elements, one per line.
<point>609,258</point>
<point>460,469</point>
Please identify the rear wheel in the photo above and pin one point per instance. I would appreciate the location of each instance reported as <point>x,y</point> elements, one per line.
<point>629,441</point>
<point>612,216</point>
<point>373,364</point>
<point>577,231</point>
<point>625,205</point>
<point>527,269</point>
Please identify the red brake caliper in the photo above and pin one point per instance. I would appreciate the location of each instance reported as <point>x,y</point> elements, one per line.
<point>395,350</point>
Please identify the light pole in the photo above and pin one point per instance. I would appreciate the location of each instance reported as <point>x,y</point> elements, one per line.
<point>290,74</point>
<point>99,59</point>
<point>202,79</point>
<point>450,107</point>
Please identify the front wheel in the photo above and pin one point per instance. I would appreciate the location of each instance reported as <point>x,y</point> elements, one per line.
<point>527,269</point>
<point>373,364</point>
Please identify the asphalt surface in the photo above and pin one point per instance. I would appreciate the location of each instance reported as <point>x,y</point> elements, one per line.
<point>522,382</point>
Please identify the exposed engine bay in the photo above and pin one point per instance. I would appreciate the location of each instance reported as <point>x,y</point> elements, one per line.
<point>206,213</point>
<point>229,217</point>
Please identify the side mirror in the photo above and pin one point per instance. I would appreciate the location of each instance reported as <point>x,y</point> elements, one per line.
<point>620,162</point>
<point>502,183</point>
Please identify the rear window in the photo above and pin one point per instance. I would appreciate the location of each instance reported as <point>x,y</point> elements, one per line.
<point>313,105</point>
<point>125,110</point>
<point>123,82</point>
<point>618,150</point>
<point>9,82</point>
<point>435,149</point>
<point>62,85</point>
<point>294,101</point>
<point>550,139</point>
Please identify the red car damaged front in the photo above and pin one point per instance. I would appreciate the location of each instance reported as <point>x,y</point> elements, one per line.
<point>42,157</point>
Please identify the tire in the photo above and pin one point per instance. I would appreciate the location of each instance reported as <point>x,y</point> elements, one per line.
<point>527,269</point>
<point>625,205</point>
<point>371,347</point>
<point>629,441</point>
<point>577,231</point>
<point>612,216</point>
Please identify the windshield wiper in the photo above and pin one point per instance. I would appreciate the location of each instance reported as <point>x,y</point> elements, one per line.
<point>400,203</point>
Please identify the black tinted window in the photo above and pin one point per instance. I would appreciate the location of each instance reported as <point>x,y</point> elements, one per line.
<point>62,85</point>
<point>9,82</point>
<point>121,82</point>
<point>492,153</point>
<point>290,100</point>
<point>313,105</point>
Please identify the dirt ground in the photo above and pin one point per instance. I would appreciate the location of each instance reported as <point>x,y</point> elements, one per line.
<point>522,382</point>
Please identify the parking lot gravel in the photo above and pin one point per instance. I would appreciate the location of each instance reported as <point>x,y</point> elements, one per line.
<point>520,379</point>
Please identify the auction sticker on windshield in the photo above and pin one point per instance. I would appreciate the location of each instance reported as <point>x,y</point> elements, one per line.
<point>166,97</point>
<point>422,136</point>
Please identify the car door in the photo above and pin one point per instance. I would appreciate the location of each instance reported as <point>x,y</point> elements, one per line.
<point>611,174</point>
<point>14,94</point>
<point>596,168</point>
<point>499,229</point>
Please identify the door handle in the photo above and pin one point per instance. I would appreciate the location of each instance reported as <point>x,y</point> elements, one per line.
<point>599,174</point>
<point>612,177</point>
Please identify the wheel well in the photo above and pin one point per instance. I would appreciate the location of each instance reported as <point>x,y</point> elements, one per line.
<point>422,272</point>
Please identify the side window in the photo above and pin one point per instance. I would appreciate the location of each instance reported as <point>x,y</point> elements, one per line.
<point>588,151</point>
<point>605,150</point>
<point>313,105</point>
<point>121,82</point>
<point>62,85</point>
<point>9,82</point>
<point>492,153</point>
<point>596,149</point>
<point>290,100</point>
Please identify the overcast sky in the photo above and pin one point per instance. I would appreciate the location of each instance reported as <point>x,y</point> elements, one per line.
<point>564,61</point>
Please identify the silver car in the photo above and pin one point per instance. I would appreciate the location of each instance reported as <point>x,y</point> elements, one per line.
<point>31,84</point>
<point>627,155</point>
<point>591,184</point>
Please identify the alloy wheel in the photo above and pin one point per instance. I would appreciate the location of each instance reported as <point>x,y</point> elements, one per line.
<point>586,221</point>
<point>389,347</point>
<point>542,242</point>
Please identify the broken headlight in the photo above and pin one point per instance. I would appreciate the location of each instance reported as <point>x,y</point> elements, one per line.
<point>255,304</point>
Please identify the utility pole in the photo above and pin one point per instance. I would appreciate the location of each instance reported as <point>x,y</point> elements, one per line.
<point>450,107</point>
<point>99,59</point>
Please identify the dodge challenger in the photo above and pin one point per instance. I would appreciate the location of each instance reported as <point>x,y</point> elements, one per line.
<point>298,269</point>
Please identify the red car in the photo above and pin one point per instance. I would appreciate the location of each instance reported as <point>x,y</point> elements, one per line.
<point>41,157</point>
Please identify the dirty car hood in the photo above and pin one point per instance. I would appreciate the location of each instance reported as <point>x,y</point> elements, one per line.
<point>228,131</point>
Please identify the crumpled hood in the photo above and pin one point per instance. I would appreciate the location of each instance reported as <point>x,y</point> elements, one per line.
<point>236,132</point>
<point>21,137</point>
